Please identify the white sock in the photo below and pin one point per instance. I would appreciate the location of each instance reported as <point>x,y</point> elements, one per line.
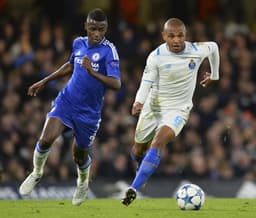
<point>83,175</point>
<point>39,160</point>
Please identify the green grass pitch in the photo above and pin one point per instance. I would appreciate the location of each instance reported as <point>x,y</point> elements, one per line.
<point>111,208</point>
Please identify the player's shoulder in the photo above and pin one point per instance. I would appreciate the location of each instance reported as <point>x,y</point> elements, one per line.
<point>160,50</point>
<point>202,45</point>
<point>110,47</point>
<point>79,41</point>
<point>108,44</point>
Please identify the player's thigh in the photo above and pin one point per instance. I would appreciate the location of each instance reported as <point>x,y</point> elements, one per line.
<point>139,149</point>
<point>53,127</point>
<point>85,133</point>
<point>174,119</point>
<point>164,135</point>
<point>146,127</point>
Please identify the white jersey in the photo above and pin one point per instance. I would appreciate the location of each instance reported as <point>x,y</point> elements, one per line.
<point>172,76</point>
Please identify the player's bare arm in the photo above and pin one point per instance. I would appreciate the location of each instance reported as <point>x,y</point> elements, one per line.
<point>64,70</point>
<point>110,82</point>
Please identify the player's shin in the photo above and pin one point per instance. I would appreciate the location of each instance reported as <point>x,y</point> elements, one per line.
<point>147,168</point>
<point>136,158</point>
<point>39,159</point>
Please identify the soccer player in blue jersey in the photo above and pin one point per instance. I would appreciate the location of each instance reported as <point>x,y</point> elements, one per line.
<point>94,65</point>
<point>164,99</point>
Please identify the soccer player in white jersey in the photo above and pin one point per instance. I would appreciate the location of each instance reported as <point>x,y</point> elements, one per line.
<point>164,98</point>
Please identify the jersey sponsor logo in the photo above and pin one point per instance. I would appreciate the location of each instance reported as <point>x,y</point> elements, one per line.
<point>95,66</point>
<point>192,64</point>
<point>96,56</point>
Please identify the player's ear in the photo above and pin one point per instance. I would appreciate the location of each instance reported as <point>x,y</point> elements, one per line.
<point>85,25</point>
<point>164,36</point>
<point>106,28</point>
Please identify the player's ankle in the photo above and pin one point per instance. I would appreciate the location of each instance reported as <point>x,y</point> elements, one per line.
<point>37,174</point>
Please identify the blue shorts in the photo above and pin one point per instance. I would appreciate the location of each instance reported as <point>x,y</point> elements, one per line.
<point>84,129</point>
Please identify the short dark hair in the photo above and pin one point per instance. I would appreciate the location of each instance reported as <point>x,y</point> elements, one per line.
<point>174,22</point>
<point>97,14</point>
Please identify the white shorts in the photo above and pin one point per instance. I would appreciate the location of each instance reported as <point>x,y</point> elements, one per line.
<point>150,121</point>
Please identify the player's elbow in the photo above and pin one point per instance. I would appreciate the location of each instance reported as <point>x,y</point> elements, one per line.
<point>116,85</point>
<point>214,46</point>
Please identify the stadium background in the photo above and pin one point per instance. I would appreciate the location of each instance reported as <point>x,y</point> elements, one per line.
<point>217,148</point>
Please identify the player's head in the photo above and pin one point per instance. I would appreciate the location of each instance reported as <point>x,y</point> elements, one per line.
<point>96,26</point>
<point>174,34</point>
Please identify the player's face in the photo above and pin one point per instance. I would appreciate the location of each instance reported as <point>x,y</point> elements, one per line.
<point>174,36</point>
<point>95,31</point>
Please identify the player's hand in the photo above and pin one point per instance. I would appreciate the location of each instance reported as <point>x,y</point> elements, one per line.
<point>207,82</point>
<point>136,108</point>
<point>35,88</point>
<point>86,62</point>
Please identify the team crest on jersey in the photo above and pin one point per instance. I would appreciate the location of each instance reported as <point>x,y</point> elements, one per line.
<point>192,64</point>
<point>96,56</point>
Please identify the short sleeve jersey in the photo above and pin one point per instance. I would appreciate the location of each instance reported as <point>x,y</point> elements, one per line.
<point>83,92</point>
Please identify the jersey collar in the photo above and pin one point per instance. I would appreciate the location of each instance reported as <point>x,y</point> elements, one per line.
<point>89,46</point>
<point>178,53</point>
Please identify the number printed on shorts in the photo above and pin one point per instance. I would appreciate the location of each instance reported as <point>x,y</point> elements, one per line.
<point>177,121</point>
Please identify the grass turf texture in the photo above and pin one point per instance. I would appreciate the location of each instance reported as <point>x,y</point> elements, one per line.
<point>110,208</point>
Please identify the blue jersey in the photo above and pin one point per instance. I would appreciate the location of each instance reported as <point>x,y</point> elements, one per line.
<point>83,90</point>
<point>79,104</point>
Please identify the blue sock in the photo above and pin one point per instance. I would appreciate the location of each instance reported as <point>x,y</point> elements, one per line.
<point>147,168</point>
<point>40,150</point>
<point>86,164</point>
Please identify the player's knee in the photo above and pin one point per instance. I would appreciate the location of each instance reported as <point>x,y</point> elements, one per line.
<point>158,143</point>
<point>80,156</point>
<point>138,150</point>
<point>80,160</point>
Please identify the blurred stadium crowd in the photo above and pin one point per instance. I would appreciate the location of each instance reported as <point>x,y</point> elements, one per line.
<point>219,140</point>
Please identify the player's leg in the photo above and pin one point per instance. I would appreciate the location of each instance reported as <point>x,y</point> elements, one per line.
<point>152,158</point>
<point>52,129</point>
<point>138,152</point>
<point>83,164</point>
<point>84,137</point>
<point>170,125</point>
<point>145,131</point>
<point>150,162</point>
